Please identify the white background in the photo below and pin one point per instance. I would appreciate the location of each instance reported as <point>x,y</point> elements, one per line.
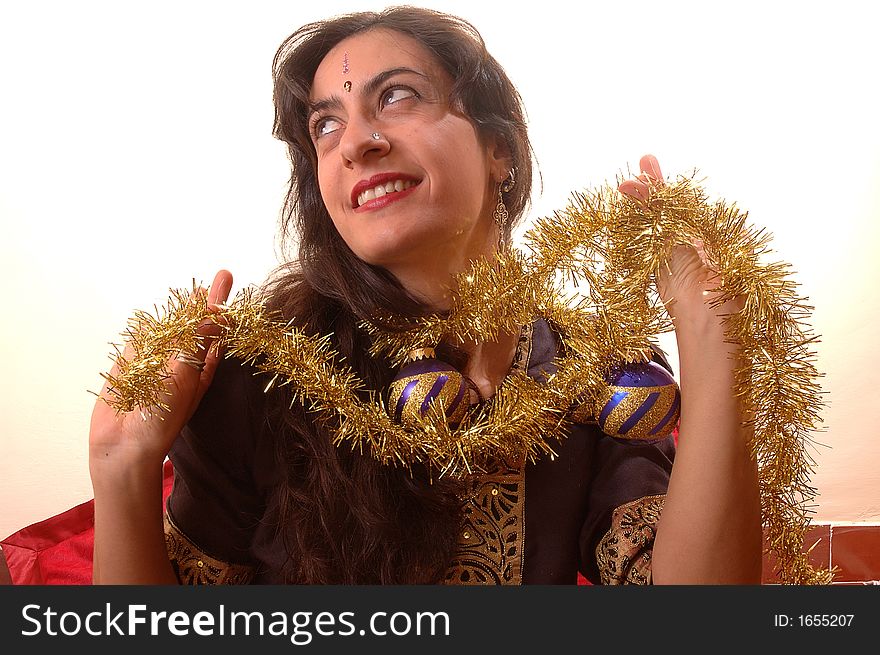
<point>136,155</point>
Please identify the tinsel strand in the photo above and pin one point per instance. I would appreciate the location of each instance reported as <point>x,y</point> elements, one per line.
<point>137,380</point>
<point>590,271</point>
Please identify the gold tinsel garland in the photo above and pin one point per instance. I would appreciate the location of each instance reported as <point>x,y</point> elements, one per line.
<point>589,270</point>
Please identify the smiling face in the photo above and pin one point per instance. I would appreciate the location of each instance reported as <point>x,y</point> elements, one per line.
<point>418,200</point>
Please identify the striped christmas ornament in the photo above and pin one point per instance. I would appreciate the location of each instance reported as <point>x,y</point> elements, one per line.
<point>427,380</point>
<point>642,403</point>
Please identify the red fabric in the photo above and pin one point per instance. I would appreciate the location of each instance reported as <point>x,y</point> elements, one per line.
<point>58,550</point>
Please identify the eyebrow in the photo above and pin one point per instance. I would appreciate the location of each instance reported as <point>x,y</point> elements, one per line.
<point>370,87</point>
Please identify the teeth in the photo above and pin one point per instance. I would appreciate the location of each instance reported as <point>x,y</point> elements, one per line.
<point>380,190</point>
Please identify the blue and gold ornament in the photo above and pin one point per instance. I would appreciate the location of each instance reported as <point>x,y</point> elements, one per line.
<point>424,379</point>
<point>641,403</point>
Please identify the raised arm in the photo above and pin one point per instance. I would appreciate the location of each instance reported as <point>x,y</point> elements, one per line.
<point>126,454</point>
<point>710,527</point>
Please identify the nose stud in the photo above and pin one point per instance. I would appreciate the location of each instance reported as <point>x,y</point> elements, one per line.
<point>376,136</point>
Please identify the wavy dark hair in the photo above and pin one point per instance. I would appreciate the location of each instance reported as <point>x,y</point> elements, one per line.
<point>344,517</point>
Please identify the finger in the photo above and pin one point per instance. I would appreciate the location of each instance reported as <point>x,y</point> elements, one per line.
<point>700,248</point>
<point>217,295</point>
<point>218,292</point>
<point>189,367</point>
<point>208,353</point>
<point>635,189</point>
<point>106,394</point>
<point>651,167</point>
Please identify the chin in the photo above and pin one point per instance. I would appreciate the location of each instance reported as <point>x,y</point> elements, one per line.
<point>389,254</point>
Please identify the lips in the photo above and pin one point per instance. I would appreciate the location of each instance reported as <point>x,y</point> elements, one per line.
<point>381,189</point>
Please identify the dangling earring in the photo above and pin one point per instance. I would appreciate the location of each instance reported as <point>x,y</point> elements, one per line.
<point>501,215</point>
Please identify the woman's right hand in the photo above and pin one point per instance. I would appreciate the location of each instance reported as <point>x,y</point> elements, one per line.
<point>686,283</point>
<point>132,438</point>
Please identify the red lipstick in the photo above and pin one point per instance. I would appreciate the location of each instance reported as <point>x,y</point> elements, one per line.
<point>379,179</point>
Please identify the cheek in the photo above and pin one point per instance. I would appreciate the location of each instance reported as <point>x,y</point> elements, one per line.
<point>452,149</point>
<point>333,202</point>
<point>467,160</point>
<point>324,184</point>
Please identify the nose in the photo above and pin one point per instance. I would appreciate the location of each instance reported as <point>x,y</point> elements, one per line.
<point>360,142</point>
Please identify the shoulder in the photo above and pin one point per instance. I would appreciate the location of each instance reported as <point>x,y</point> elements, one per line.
<point>546,343</point>
<point>236,392</point>
<point>541,346</point>
<point>660,356</point>
<point>227,427</point>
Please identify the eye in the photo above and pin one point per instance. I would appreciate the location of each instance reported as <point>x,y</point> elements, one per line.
<point>396,94</point>
<point>325,125</point>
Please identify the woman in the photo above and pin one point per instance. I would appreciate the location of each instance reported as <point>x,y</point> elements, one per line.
<point>410,159</point>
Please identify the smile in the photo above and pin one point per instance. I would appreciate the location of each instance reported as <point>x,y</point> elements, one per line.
<point>380,190</point>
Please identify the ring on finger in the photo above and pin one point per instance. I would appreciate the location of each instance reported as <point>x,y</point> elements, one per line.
<point>190,361</point>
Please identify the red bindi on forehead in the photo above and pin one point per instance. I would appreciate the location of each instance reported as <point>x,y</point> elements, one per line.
<point>345,68</point>
<point>380,49</point>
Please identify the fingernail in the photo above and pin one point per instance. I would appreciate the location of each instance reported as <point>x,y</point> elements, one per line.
<point>634,189</point>
<point>651,166</point>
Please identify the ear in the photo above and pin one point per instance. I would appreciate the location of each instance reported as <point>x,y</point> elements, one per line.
<point>500,160</point>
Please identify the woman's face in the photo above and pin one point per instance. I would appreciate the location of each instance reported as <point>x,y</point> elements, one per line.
<point>419,199</point>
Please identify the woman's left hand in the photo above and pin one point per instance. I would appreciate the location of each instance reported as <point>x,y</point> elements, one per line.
<point>686,283</point>
<point>713,458</point>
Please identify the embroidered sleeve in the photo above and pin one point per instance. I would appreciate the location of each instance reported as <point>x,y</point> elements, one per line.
<point>195,567</point>
<point>624,552</point>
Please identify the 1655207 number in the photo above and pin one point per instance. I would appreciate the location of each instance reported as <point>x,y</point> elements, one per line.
<point>825,620</point>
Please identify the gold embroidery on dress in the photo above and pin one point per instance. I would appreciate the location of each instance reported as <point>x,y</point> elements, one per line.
<point>490,545</point>
<point>195,567</point>
<point>523,352</point>
<point>624,553</point>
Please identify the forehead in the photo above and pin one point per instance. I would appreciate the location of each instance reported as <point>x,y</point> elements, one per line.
<point>365,54</point>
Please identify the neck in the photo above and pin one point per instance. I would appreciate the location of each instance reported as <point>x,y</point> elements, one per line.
<point>431,277</point>
<point>434,290</point>
<point>489,362</point>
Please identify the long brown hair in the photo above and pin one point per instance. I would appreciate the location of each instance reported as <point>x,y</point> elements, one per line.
<point>344,517</point>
